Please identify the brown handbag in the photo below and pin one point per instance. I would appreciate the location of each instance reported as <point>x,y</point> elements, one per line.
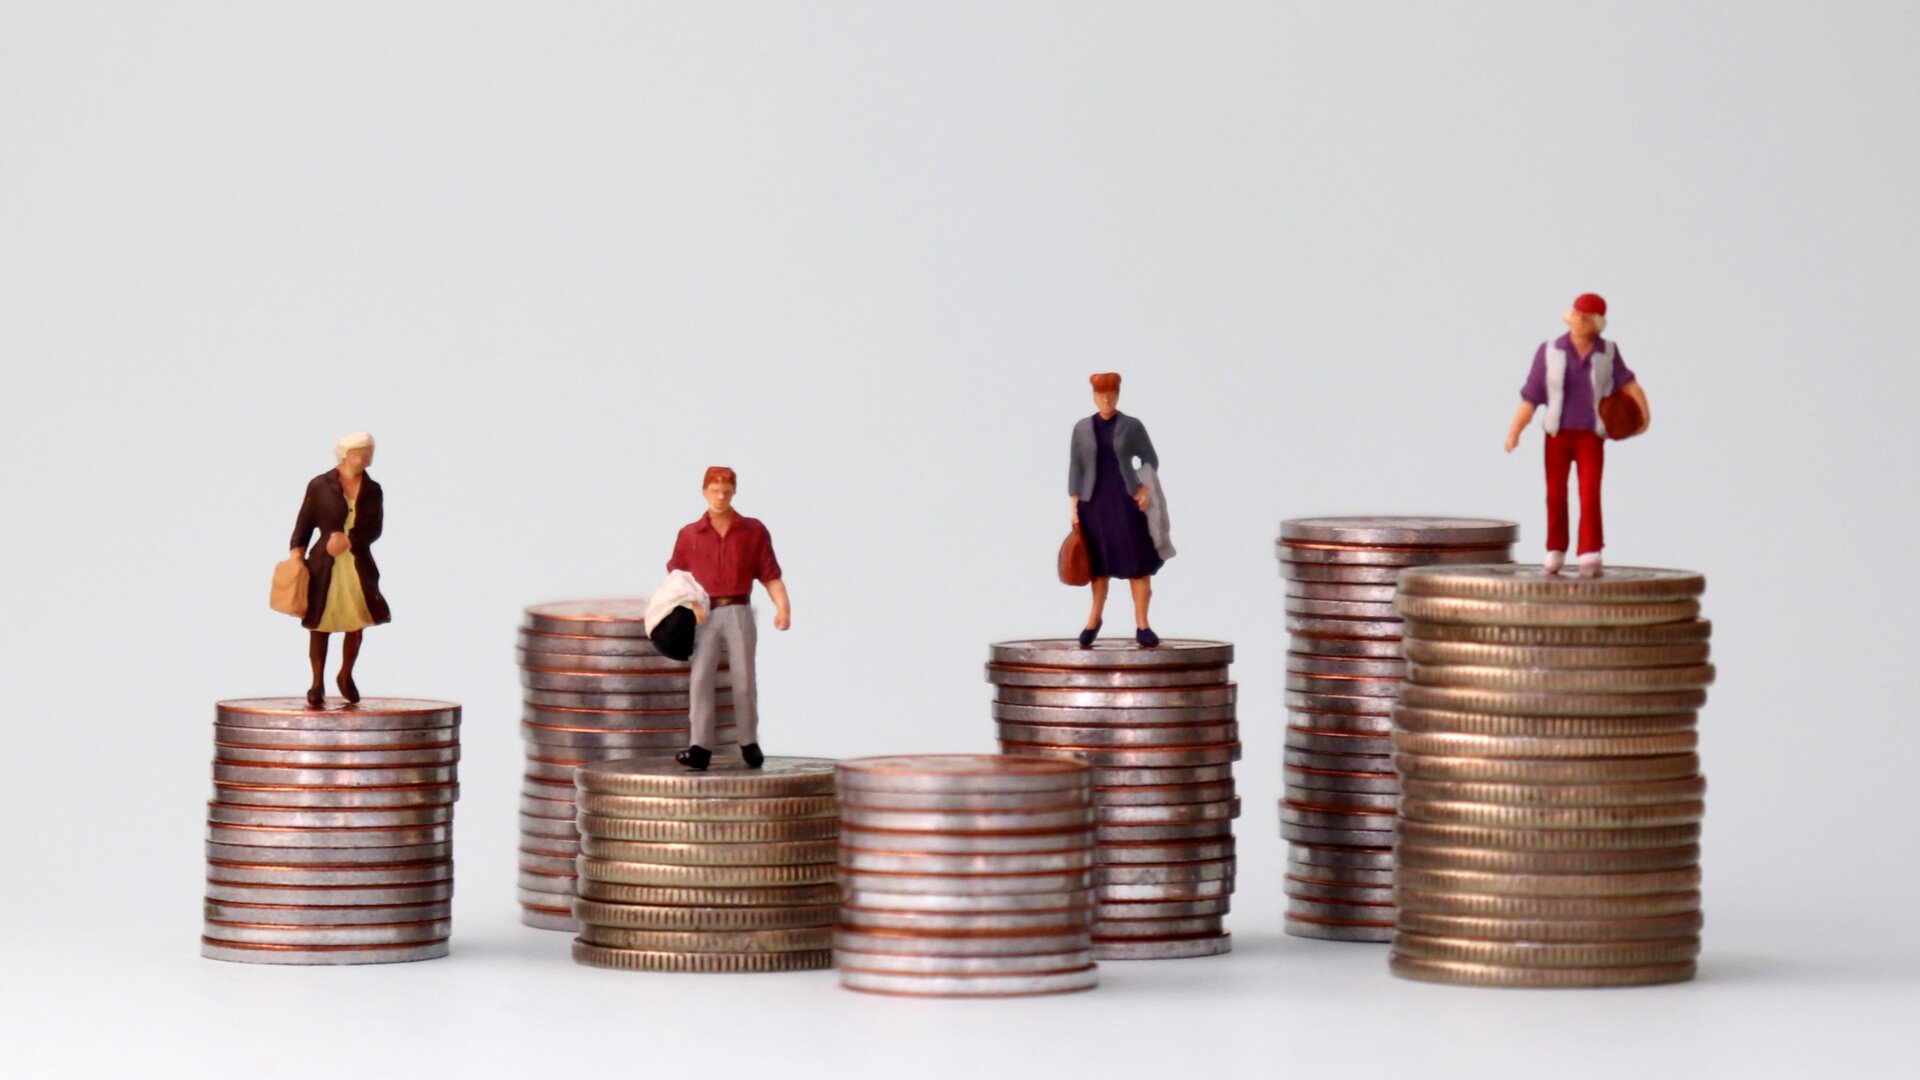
<point>1620,414</point>
<point>1074,568</point>
<point>290,581</point>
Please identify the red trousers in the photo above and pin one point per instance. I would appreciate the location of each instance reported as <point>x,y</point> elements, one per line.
<point>1563,450</point>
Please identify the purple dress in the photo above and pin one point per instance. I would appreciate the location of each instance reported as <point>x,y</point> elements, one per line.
<point>1118,544</point>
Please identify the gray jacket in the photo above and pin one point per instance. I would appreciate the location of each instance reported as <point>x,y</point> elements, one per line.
<point>1129,441</point>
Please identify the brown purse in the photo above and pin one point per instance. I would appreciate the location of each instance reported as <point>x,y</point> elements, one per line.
<point>1620,414</point>
<point>290,581</point>
<point>1074,568</point>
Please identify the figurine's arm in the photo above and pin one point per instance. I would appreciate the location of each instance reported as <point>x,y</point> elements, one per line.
<point>782,611</point>
<point>1147,457</point>
<point>1639,397</point>
<point>372,518</point>
<point>1520,421</point>
<point>303,525</point>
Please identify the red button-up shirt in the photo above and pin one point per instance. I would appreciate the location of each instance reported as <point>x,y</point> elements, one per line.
<point>726,565</point>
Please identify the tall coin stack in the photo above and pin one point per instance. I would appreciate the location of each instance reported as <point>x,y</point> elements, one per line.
<point>1552,797</point>
<point>1157,727</point>
<point>727,870</point>
<point>330,832</point>
<point>966,876</point>
<point>595,689</point>
<point>1344,669</point>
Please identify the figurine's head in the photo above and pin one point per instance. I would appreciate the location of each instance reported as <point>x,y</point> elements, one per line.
<point>718,486</point>
<point>1106,393</point>
<point>355,452</point>
<point>1588,315</point>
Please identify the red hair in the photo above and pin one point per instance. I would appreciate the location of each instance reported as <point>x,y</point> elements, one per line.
<point>718,474</point>
<point>1106,382</point>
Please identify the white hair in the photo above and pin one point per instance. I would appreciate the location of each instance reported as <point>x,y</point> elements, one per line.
<point>351,442</point>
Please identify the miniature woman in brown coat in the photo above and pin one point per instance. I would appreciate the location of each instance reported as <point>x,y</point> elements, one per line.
<point>343,595</point>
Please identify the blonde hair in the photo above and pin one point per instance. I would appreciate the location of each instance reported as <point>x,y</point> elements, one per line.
<point>351,442</point>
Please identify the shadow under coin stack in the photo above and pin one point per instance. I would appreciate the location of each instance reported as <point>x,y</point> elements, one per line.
<point>1344,669</point>
<point>966,876</point>
<point>330,832</point>
<point>595,689</point>
<point>1157,727</point>
<point>1552,797</point>
<point>727,870</point>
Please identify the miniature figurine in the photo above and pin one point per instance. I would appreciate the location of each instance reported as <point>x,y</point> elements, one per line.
<point>1574,377</point>
<point>343,591</point>
<point>1118,508</point>
<point>726,553</point>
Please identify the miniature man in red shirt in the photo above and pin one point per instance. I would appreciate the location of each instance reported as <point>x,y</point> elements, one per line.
<point>726,553</point>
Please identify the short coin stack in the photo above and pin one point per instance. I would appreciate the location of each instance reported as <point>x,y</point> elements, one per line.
<point>727,870</point>
<point>966,876</point>
<point>1343,672</point>
<point>330,832</point>
<point>1552,796</point>
<point>595,690</point>
<point>1157,727</point>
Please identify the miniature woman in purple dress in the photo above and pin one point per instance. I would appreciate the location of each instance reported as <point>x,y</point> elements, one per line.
<point>1118,507</point>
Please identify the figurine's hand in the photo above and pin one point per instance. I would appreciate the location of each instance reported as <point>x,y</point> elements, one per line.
<point>699,615</point>
<point>782,619</point>
<point>1140,498</point>
<point>1513,440</point>
<point>337,543</point>
<point>294,553</point>
<point>1076,510</point>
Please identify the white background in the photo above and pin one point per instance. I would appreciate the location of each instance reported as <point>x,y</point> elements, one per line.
<point>560,258</point>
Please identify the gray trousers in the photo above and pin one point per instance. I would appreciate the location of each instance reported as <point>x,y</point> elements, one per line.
<point>731,628</point>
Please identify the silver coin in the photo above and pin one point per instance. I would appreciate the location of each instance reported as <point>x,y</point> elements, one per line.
<point>277,875</point>
<point>270,795</point>
<point>282,915</point>
<point>1312,834</point>
<point>954,821</point>
<point>990,964</point>
<point>1079,717</point>
<point>647,710</point>
<point>1339,646</point>
<point>1173,949</point>
<point>854,882</point>
<point>1095,678</point>
<point>703,918</point>
<point>1156,757</point>
<point>297,739</point>
<point>542,919</point>
<point>369,714</point>
<point>1404,530</point>
<point>589,644</point>
<point>1580,727</point>
<point>1344,912</point>
<point>626,743</point>
<point>1598,795</point>
<point>1622,680</point>
<point>335,778</point>
<point>1225,809</point>
<point>551,864</point>
<point>1163,909</point>
<point>616,663</point>
<point>1665,633</point>
<point>1339,743</point>
<point>1305,814</point>
<point>1318,627</point>
<point>1105,778</point>
<point>545,901</point>
<point>1370,667</point>
<point>1501,613</point>
<point>1339,609</point>
<point>1379,765</point>
<point>1108,835</point>
<point>562,884</point>
<point>1351,555</point>
<point>1340,858</point>
<point>1110,653</point>
<point>1343,800</point>
<point>979,903</point>
<point>1061,982</point>
<point>1533,584</point>
<point>777,777</point>
<point>1345,687</point>
<point>1163,891</point>
<point>1304,779</point>
<point>896,943</point>
<point>957,774</point>
<point>1339,573</point>
<point>1339,703</point>
<point>1108,930</point>
<point>330,896</point>
<point>615,617</point>
<point>550,828</point>
<point>1341,590</point>
<point>1181,697</point>
<point>1071,921</point>
<point>1307,889</point>
<point>1557,656</point>
<point>266,954</point>
<point>296,838</point>
<point>974,802</point>
<point>1165,873</point>
<point>307,856</point>
<point>764,853</point>
<point>1299,926</point>
<point>1648,703</point>
<point>554,771</point>
<point>225,814</point>
<point>1342,723</point>
<point>1119,736</point>
<point>1338,875</point>
<point>1164,795</point>
<point>585,690</point>
<point>335,759</point>
<point>557,809</point>
<point>965,843</point>
<point>330,936</point>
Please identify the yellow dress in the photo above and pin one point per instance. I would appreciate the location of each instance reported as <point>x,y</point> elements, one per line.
<point>346,605</point>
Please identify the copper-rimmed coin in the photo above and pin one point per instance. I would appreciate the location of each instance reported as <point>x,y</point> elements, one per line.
<point>1338,929</point>
<point>1440,834</point>
<point>972,904</point>
<point>960,843</point>
<point>616,663</point>
<point>1172,814</point>
<point>1557,657</point>
<point>1343,912</point>
<point>295,776</point>
<point>855,881</point>
<point>1162,909</point>
<point>319,955</point>
<point>1301,888</point>
<point>1155,834</point>
<point>969,986</point>
<point>1547,954</point>
<point>953,821</point>
<point>900,862</point>
<point>311,856</point>
<point>1339,573</point>
<point>1117,736</point>
<point>330,895</point>
<point>1342,609</point>
<point>1123,929</point>
<point>1324,818</point>
<point>1375,764</point>
<point>1209,870</point>
<point>1072,920</point>
<point>1449,744</point>
<point>1504,816</point>
<point>1416,530</point>
<point>953,774</point>
<point>1163,948</point>
<point>556,809</point>
<point>604,682</point>
<point>1641,703</point>
<point>779,777</point>
<point>1531,583</point>
<point>1070,716</point>
<point>765,853</point>
<point>1339,703</point>
<point>963,966</point>
<point>1338,742</point>
<point>282,875</point>
<point>1615,794</point>
<point>1105,679</point>
<point>588,644</point>
<point>1633,860</point>
<point>1337,875</point>
<point>336,759</point>
<point>1342,800</point>
<point>1495,906</point>
<point>1345,685</point>
<point>1342,857</point>
<point>1111,653</point>
<point>530,881</point>
<point>1342,590</point>
<point>701,809</point>
<point>705,877</point>
<point>1543,613</point>
<point>370,714</point>
<point>1395,557</point>
<point>1663,633</point>
<point>1459,973</point>
<point>1160,891</point>
<point>914,943</point>
<point>1312,834</point>
<point>1179,697</point>
<point>777,940</point>
<point>1558,770</point>
<point>664,699</point>
<point>1340,646</point>
<point>1155,757</point>
<point>1104,778</point>
<point>301,739</point>
<point>303,818</point>
<point>1371,667</point>
<point>293,795</point>
<point>1318,627</point>
<point>663,711</point>
<point>244,914</point>
<point>1413,718</point>
<point>308,936</point>
<point>1564,680</point>
<point>709,832</point>
<point>1119,854</point>
<point>1155,795</point>
<point>1682,925</point>
<point>607,744</point>
<point>1373,783</point>
<point>968,801</point>
<point>557,828</point>
<point>1503,884</point>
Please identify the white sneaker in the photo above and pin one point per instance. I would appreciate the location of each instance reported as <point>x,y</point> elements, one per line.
<point>1590,564</point>
<point>1554,561</point>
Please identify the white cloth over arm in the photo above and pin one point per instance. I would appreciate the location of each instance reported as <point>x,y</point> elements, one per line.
<point>678,589</point>
<point>1159,525</point>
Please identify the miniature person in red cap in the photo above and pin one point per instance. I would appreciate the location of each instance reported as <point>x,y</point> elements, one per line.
<point>1571,375</point>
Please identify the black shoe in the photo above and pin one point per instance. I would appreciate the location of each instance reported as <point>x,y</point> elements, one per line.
<point>754,757</point>
<point>1088,635</point>
<point>316,698</point>
<point>1146,637</point>
<point>347,689</point>
<point>695,758</point>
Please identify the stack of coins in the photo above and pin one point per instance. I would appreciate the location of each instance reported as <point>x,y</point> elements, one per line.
<point>595,689</point>
<point>1157,726</point>
<point>1552,797</point>
<point>1344,669</point>
<point>726,870</point>
<point>966,876</point>
<point>330,831</point>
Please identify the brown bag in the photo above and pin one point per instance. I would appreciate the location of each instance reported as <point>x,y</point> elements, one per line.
<point>290,580</point>
<point>1620,414</point>
<point>1074,568</point>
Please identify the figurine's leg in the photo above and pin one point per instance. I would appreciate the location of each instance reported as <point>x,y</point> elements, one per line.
<point>349,652</point>
<point>705,661</point>
<point>1559,457</point>
<point>1099,602</point>
<point>1593,462</point>
<point>317,659</point>
<point>742,639</point>
<point>1142,596</point>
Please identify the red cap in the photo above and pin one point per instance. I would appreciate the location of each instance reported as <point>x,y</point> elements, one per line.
<point>1590,304</point>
